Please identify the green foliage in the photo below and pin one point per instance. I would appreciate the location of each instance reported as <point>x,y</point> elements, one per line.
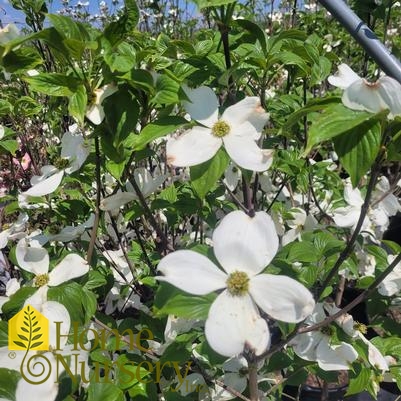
<point>204,176</point>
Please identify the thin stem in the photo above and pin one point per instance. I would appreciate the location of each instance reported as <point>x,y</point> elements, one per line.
<point>277,195</point>
<point>246,189</point>
<point>92,241</point>
<point>364,210</point>
<point>253,380</point>
<point>165,245</point>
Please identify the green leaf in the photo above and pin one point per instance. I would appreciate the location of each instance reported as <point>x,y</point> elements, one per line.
<point>104,392</point>
<point>169,194</point>
<point>359,383</point>
<point>311,106</point>
<point>289,58</point>
<point>68,28</point>
<point>255,30</point>
<point>141,79</point>
<point>5,107</point>
<point>117,31</point>
<point>334,121</point>
<point>27,106</point>
<point>120,58</point>
<point>122,111</point>
<point>53,84</point>
<point>204,176</point>
<point>8,383</point>
<point>320,70</point>
<point>166,90</point>
<point>9,145</point>
<point>77,104</point>
<point>358,149</point>
<point>116,169</point>
<point>16,301</point>
<point>190,307</point>
<point>21,60</point>
<point>303,252</point>
<point>72,296</point>
<point>152,131</point>
<point>143,391</point>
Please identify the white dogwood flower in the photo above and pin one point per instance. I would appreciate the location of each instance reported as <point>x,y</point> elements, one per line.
<point>316,345</point>
<point>147,184</point>
<point>95,112</point>
<point>8,33</point>
<point>35,259</point>
<point>74,152</point>
<point>14,231</point>
<point>360,94</point>
<point>244,246</point>
<point>238,129</point>
<point>300,222</point>
<point>353,329</point>
<point>391,285</point>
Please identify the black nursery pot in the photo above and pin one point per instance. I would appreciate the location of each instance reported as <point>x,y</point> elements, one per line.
<point>309,393</point>
<point>390,387</point>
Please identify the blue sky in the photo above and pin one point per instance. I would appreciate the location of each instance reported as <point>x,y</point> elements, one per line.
<point>8,14</point>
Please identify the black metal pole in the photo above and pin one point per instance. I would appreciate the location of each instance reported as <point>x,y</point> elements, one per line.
<point>364,36</point>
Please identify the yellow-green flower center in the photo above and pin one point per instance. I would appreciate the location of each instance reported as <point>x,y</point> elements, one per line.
<point>61,163</point>
<point>41,280</point>
<point>238,283</point>
<point>220,129</point>
<point>360,327</point>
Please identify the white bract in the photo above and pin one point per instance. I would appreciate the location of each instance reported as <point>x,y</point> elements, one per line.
<point>238,129</point>
<point>74,152</point>
<point>69,233</point>
<point>301,222</point>
<point>95,112</point>
<point>244,246</point>
<point>348,216</point>
<point>8,33</point>
<point>384,205</point>
<point>347,323</point>
<point>317,346</point>
<point>391,285</point>
<point>36,260</point>
<point>359,94</point>
<point>147,184</point>
<point>15,231</point>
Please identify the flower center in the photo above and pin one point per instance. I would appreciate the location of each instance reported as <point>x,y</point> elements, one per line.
<point>61,163</point>
<point>360,327</point>
<point>41,280</point>
<point>220,129</point>
<point>238,283</point>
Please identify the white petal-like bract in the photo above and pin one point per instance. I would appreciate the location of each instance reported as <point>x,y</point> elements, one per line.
<point>287,300</point>
<point>70,267</point>
<point>192,147</point>
<point>32,259</point>
<point>191,272</point>
<point>203,105</point>
<point>233,323</point>
<point>245,243</point>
